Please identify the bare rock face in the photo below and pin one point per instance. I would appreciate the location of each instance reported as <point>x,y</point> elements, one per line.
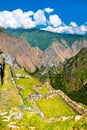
<point>78,45</point>
<point>58,52</point>
<point>23,53</point>
<point>32,57</point>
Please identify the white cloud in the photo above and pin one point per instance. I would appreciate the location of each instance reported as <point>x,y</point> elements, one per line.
<point>68,29</point>
<point>60,29</point>
<point>28,23</point>
<point>30,19</point>
<point>73,24</point>
<point>48,10</point>
<point>83,29</point>
<point>7,20</point>
<point>40,18</point>
<point>54,20</point>
<point>16,19</point>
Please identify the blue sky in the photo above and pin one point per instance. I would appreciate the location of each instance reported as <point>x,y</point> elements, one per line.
<point>61,16</point>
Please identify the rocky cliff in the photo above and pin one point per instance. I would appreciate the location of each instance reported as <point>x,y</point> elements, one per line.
<point>59,52</point>
<point>21,51</point>
<point>58,49</point>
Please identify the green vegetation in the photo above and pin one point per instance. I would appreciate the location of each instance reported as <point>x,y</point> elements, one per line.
<point>42,39</point>
<point>72,78</point>
<point>66,125</point>
<point>21,71</point>
<point>55,107</point>
<point>27,84</point>
<point>52,108</point>
<point>9,94</point>
<point>43,90</point>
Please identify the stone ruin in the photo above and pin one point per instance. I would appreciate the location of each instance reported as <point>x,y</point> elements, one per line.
<point>36,96</point>
<point>37,87</point>
<point>21,76</point>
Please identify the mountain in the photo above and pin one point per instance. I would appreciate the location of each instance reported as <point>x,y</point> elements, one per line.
<point>71,77</point>
<point>21,51</point>
<point>56,53</point>
<point>75,76</point>
<point>27,104</point>
<point>56,47</point>
<point>43,39</point>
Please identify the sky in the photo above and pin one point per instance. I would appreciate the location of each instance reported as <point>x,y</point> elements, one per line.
<point>62,16</point>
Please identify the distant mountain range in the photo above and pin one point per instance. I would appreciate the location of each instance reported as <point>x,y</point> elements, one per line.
<point>43,39</point>
<point>56,47</point>
<point>59,100</point>
<point>33,48</point>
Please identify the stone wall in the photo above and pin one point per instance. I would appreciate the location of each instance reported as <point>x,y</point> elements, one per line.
<point>75,106</point>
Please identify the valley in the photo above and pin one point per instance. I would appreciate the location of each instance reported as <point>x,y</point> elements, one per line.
<point>26,103</point>
<point>42,89</point>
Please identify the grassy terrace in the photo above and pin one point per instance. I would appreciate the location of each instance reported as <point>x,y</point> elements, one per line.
<point>1,60</point>
<point>55,107</point>
<point>28,85</point>
<point>43,90</point>
<point>9,95</point>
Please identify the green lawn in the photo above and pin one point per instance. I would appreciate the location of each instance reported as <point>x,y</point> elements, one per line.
<point>54,107</point>
<point>44,89</point>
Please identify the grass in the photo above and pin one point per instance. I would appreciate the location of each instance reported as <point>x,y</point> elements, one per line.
<point>1,60</point>
<point>21,71</point>
<point>27,84</point>
<point>54,107</point>
<point>30,120</point>
<point>67,125</point>
<point>9,94</point>
<point>43,90</point>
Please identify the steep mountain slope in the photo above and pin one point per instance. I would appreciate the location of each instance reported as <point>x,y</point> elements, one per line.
<point>72,79</point>
<point>27,104</point>
<point>56,53</point>
<point>75,76</point>
<point>57,47</point>
<point>21,51</point>
<point>63,47</point>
